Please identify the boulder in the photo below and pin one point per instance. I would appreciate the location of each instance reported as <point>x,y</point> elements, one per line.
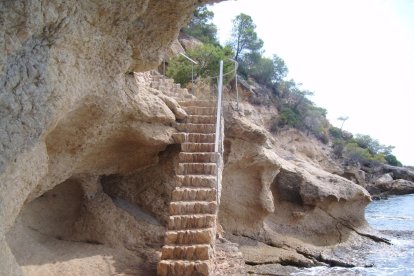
<point>393,187</point>
<point>354,174</point>
<point>405,173</point>
<point>384,178</point>
<point>188,42</point>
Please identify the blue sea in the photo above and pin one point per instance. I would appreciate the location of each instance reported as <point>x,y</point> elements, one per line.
<point>394,217</point>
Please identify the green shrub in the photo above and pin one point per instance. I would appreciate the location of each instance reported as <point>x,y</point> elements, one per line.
<point>338,146</point>
<point>354,152</point>
<point>266,71</point>
<point>208,57</point>
<point>290,117</point>
<point>335,132</point>
<point>392,160</point>
<point>202,27</point>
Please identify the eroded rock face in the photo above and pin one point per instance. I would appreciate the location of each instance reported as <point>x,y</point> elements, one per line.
<point>69,108</point>
<point>282,207</point>
<point>391,187</point>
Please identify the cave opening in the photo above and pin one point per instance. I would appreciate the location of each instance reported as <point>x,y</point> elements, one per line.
<point>65,230</point>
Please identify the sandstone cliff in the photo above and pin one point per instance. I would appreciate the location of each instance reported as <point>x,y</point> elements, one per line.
<point>281,201</point>
<point>88,158</point>
<point>72,120</point>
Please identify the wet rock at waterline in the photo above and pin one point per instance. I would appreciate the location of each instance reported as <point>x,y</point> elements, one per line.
<point>393,187</point>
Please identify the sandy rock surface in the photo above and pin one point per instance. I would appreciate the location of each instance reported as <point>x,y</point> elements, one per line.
<point>71,112</point>
<point>284,206</point>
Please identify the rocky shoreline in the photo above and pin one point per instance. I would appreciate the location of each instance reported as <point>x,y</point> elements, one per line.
<point>390,180</point>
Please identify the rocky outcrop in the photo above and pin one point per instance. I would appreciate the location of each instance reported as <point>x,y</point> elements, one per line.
<point>354,174</point>
<point>188,42</point>
<point>281,204</point>
<point>388,180</point>
<point>405,173</point>
<point>390,187</point>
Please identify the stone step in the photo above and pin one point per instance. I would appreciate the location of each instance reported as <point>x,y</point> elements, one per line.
<point>197,168</point>
<point>200,181</point>
<point>196,128</point>
<point>193,138</point>
<point>196,110</point>
<point>201,119</point>
<point>187,222</point>
<point>184,91</point>
<point>185,268</point>
<point>201,252</point>
<point>155,78</point>
<point>199,103</point>
<point>169,82</point>
<point>197,157</point>
<point>190,237</point>
<point>192,207</point>
<point>197,147</point>
<point>193,194</point>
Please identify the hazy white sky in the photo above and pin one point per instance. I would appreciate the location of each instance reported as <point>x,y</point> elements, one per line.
<point>356,55</point>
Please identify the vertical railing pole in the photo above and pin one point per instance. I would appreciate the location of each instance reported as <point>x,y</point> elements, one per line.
<point>218,117</point>
<point>192,70</point>
<point>217,149</point>
<point>237,91</point>
<point>192,78</point>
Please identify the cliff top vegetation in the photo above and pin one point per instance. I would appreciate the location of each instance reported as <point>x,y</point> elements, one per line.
<point>295,108</point>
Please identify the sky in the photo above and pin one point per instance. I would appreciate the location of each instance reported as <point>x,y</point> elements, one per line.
<point>357,56</point>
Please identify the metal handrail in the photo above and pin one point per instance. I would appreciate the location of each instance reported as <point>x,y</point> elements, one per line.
<point>219,103</point>
<point>192,69</point>
<point>218,139</point>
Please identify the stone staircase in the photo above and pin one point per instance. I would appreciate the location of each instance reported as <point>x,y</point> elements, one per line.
<point>191,230</point>
<point>168,86</point>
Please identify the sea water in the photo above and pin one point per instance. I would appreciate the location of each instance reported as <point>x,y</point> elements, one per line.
<point>395,218</point>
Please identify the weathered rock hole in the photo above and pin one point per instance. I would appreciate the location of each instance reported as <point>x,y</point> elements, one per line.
<point>287,187</point>
<point>54,213</point>
<point>43,238</point>
<point>146,191</point>
<point>116,219</point>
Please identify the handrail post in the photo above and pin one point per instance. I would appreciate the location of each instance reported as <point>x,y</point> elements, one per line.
<point>217,149</point>
<point>192,69</point>
<point>237,91</point>
<point>218,117</point>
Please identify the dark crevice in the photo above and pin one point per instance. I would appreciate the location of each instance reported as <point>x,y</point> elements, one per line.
<point>372,237</point>
<point>319,258</point>
<point>352,228</point>
<point>281,262</point>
